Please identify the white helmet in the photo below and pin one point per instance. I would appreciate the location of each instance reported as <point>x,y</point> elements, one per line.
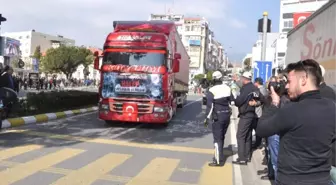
<point>217,75</point>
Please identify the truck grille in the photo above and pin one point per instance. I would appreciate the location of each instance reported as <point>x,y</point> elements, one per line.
<point>143,106</point>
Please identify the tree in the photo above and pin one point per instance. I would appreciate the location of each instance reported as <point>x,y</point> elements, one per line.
<point>209,75</point>
<point>65,59</point>
<point>247,64</point>
<point>15,62</point>
<point>88,61</point>
<point>230,65</point>
<point>37,53</point>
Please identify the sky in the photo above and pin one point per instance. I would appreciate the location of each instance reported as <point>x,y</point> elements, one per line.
<point>234,22</point>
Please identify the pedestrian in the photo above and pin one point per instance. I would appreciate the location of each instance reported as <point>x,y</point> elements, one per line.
<point>325,90</point>
<point>218,110</point>
<point>247,117</point>
<point>259,83</point>
<point>306,127</point>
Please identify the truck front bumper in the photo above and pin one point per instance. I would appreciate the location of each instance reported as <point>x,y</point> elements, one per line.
<point>155,118</point>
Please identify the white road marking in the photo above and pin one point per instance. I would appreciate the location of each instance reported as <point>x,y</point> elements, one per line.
<point>238,180</point>
<point>190,103</point>
<point>125,131</point>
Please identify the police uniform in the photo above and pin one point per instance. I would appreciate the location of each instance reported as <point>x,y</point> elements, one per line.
<point>218,111</point>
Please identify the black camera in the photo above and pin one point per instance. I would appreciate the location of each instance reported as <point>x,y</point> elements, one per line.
<point>275,85</point>
<point>279,87</point>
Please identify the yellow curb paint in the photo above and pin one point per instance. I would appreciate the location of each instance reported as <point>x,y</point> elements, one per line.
<point>60,114</point>
<point>41,118</point>
<point>77,111</point>
<point>16,122</point>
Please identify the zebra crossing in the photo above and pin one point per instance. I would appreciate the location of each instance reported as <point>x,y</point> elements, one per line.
<point>157,171</point>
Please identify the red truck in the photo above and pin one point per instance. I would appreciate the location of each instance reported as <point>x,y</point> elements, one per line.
<point>144,72</point>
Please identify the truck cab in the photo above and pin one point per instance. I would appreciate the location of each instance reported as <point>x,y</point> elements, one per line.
<point>139,73</point>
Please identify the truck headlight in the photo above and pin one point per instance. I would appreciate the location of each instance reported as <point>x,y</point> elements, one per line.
<point>104,107</point>
<point>160,109</point>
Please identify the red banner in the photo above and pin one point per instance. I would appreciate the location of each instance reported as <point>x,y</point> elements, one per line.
<point>300,17</point>
<point>133,68</point>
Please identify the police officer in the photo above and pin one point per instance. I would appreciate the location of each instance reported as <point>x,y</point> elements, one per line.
<point>218,111</point>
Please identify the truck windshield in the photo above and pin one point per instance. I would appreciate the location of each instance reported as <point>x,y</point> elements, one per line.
<point>134,58</point>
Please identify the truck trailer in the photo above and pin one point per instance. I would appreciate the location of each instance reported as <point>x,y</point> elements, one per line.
<point>144,73</point>
<point>315,38</point>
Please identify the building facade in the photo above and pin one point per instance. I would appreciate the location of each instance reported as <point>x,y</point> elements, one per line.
<point>289,8</point>
<point>195,33</point>
<point>31,39</point>
<point>292,12</point>
<point>215,56</point>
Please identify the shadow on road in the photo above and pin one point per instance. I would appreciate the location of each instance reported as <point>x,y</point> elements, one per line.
<point>187,126</point>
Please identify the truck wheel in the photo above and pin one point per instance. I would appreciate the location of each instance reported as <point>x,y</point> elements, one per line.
<point>181,101</point>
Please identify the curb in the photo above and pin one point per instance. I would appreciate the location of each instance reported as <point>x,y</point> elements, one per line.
<point>15,122</point>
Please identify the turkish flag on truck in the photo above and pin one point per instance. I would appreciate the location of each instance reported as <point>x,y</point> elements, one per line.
<point>299,17</point>
<point>130,111</point>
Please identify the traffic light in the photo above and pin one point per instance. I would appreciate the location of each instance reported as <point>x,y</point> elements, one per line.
<point>261,24</point>
<point>2,19</point>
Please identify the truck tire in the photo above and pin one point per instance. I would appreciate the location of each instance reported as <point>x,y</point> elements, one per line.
<point>181,104</point>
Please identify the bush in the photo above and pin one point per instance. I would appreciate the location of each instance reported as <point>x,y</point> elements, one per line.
<point>45,102</point>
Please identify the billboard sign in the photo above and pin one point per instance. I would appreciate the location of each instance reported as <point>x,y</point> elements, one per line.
<point>300,17</point>
<point>11,47</point>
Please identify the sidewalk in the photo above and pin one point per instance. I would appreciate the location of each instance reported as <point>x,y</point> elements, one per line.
<point>249,172</point>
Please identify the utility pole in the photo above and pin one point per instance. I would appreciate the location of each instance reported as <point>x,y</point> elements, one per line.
<point>2,19</point>
<point>264,36</point>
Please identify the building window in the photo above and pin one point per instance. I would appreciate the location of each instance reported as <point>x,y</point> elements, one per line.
<point>195,37</point>
<point>195,49</point>
<point>287,15</point>
<point>288,24</point>
<point>281,54</point>
<point>187,28</point>
<point>196,28</point>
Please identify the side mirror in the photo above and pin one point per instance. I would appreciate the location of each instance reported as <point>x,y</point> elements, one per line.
<point>176,66</point>
<point>177,56</point>
<point>96,60</point>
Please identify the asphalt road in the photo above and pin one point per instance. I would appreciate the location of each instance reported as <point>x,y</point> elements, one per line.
<point>84,150</point>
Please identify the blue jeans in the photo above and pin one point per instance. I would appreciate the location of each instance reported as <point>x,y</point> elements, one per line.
<point>273,147</point>
<point>333,175</point>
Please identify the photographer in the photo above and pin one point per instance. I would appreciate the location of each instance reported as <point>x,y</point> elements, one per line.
<point>306,127</point>
<point>272,148</point>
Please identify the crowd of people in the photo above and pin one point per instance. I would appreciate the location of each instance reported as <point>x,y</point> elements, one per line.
<point>293,115</point>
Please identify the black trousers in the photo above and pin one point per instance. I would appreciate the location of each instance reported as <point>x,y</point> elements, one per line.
<point>244,137</point>
<point>219,129</point>
<point>258,139</point>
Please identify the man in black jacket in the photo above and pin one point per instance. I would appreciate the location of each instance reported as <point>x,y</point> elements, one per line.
<point>247,117</point>
<point>306,127</point>
<point>325,90</point>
